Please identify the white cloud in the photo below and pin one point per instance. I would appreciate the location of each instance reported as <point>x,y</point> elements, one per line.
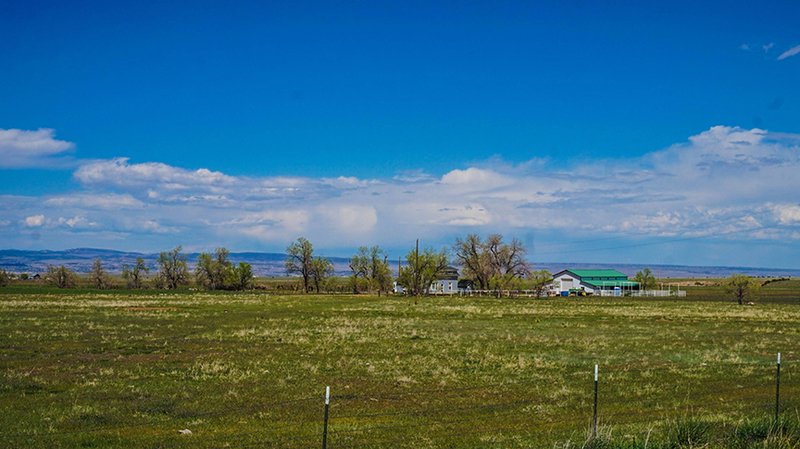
<point>271,225</point>
<point>75,222</point>
<point>23,149</point>
<point>448,214</point>
<point>95,201</point>
<point>787,213</point>
<point>294,219</point>
<point>789,53</point>
<point>349,219</point>
<point>164,183</point>
<point>154,227</point>
<point>722,181</point>
<point>726,137</point>
<point>413,176</point>
<point>348,182</point>
<point>119,173</point>
<point>34,221</point>
<point>475,179</point>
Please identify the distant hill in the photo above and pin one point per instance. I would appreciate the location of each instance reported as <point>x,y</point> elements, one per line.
<point>271,264</point>
<point>674,271</point>
<point>80,260</point>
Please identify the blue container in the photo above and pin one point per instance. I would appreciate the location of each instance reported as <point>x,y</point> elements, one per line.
<point>565,293</point>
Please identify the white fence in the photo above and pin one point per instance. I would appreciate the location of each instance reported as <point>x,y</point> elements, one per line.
<point>658,293</point>
<point>532,293</point>
<point>643,293</point>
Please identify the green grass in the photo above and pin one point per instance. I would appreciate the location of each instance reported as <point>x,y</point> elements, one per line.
<point>130,368</point>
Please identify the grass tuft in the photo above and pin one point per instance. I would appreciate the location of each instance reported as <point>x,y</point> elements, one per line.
<point>689,433</point>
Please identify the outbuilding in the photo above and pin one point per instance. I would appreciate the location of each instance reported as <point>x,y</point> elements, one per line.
<point>595,282</point>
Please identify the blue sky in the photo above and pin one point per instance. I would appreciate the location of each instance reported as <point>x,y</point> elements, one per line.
<point>647,133</point>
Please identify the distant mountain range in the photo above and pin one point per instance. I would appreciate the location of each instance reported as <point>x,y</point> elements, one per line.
<point>81,259</point>
<point>271,264</point>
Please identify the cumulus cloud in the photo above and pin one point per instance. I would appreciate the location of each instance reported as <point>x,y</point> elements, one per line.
<point>475,178</point>
<point>787,213</point>
<point>269,225</point>
<point>164,183</point>
<point>34,221</point>
<point>25,149</point>
<point>789,53</point>
<point>76,222</point>
<point>153,226</point>
<point>348,219</point>
<point>119,173</point>
<point>723,181</point>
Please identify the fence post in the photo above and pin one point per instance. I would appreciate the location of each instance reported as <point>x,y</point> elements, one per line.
<point>594,420</point>
<point>778,390</point>
<point>325,425</point>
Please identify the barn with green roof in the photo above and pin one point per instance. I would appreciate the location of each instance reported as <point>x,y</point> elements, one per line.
<point>594,282</point>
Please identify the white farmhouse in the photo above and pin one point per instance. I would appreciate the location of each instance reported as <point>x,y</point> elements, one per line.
<point>446,283</point>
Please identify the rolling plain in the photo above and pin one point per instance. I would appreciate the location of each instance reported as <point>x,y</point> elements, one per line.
<point>123,368</point>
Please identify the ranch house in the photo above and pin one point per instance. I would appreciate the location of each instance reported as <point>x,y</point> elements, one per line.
<point>446,283</point>
<point>593,282</point>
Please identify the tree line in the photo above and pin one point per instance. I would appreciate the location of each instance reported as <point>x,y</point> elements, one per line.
<point>488,264</point>
<point>369,268</point>
<point>213,271</point>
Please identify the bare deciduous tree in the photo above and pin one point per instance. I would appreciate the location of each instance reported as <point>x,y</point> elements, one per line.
<point>299,256</point>
<point>321,269</point>
<point>491,263</point>
<point>742,287</point>
<point>135,275</point>
<point>471,255</point>
<point>61,277</point>
<point>421,269</point>
<point>98,275</point>
<point>212,271</point>
<point>372,264</point>
<point>172,269</point>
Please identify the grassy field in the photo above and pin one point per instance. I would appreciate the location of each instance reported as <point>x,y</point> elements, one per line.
<point>121,369</point>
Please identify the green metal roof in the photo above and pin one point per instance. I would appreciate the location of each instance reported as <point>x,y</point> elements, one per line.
<point>612,283</point>
<point>598,273</point>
